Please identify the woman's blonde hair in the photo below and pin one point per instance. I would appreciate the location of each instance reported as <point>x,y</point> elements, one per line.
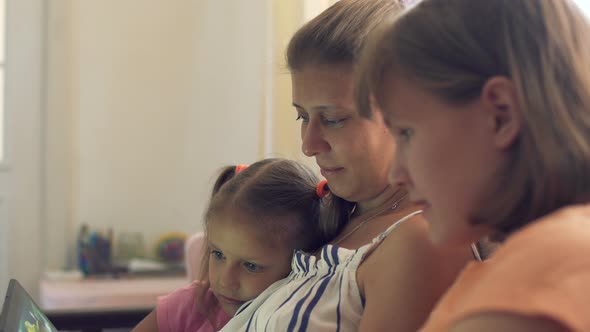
<point>338,34</point>
<point>336,37</point>
<point>453,47</point>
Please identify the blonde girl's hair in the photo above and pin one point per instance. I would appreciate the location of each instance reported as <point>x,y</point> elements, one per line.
<point>453,47</point>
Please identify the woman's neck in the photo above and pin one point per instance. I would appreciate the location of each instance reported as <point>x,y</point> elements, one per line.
<point>380,201</point>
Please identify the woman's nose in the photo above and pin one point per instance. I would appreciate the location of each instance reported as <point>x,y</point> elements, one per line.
<point>313,140</point>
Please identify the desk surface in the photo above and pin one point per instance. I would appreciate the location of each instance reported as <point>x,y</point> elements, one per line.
<point>106,294</point>
<point>97,321</point>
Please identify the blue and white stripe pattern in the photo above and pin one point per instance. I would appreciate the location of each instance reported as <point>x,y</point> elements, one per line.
<point>320,294</point>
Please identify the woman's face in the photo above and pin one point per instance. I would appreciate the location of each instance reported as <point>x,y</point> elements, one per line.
<point>446,157</point>
<point>354,153</point>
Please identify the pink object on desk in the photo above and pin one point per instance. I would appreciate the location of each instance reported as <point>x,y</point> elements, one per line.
<point>91,294</point>
<point>193,255</point>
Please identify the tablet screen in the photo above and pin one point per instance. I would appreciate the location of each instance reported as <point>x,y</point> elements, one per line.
<point>21,314</point>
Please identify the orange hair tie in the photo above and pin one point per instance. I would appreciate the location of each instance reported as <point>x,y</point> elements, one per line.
<point>322,189</point>
<point>240,168</point>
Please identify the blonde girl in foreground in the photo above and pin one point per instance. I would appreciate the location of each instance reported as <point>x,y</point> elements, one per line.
<point>489,103</point>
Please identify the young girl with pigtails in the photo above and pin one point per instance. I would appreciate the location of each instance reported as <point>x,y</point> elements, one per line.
<point>257,217</point>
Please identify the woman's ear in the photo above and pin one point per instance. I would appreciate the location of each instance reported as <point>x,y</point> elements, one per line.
<point>501,103</point>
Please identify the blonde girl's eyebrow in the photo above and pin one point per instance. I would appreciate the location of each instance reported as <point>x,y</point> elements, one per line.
<point>319,107</point>
<point>322,109</point>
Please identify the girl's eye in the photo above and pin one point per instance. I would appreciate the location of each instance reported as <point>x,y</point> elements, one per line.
<point>334,123</point>
<point>252,267</point>
<point>217,254</point>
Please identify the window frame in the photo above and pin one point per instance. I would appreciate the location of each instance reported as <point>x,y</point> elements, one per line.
<point>4,116</point>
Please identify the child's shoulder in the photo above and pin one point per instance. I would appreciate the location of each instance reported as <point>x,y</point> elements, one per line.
<point>179,310</point>
<point>183,296</point>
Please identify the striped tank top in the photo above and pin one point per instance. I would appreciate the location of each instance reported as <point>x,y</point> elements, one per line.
<point>320,294</point>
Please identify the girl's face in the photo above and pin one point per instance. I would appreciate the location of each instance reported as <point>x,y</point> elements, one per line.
<point>244,259</point>
<point>353,153</point>
<point>447,157</point>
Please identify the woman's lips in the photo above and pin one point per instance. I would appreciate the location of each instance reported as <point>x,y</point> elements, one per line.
<point>330,171</point>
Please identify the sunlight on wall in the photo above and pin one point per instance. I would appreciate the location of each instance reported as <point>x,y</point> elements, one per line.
<point>584,5</point>
<point>311,8</point>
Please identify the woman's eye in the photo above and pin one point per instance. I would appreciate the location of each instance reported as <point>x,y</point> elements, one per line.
<point>252,267</point>
<point>302,117</point>
<point>217,254</point>
<point>405,133</point>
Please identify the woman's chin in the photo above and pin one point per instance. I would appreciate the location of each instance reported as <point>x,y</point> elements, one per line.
<point>341,189</point>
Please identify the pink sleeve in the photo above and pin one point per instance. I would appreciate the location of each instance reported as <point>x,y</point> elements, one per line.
<point>177,312</point>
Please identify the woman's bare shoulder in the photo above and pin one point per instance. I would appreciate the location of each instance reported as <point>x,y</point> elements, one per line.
<point>409,243</point>
<point>408,239</point>
<point>398,275</point>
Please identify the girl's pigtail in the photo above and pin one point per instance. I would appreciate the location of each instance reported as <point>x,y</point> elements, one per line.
<point>226,174</point>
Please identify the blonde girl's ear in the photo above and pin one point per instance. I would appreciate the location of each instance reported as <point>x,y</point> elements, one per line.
<point>500,99</point>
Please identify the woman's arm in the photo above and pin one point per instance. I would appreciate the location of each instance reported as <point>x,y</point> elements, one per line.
<point>148,324</point>
<point>404,277</point>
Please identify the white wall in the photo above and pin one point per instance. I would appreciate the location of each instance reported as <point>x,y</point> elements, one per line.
<point>20,177</point>
<point>60,144</point>
<point>146,101</point>
<point>3,248</point>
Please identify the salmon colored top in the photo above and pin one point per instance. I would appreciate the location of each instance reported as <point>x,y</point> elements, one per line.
<point>541,270</point>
